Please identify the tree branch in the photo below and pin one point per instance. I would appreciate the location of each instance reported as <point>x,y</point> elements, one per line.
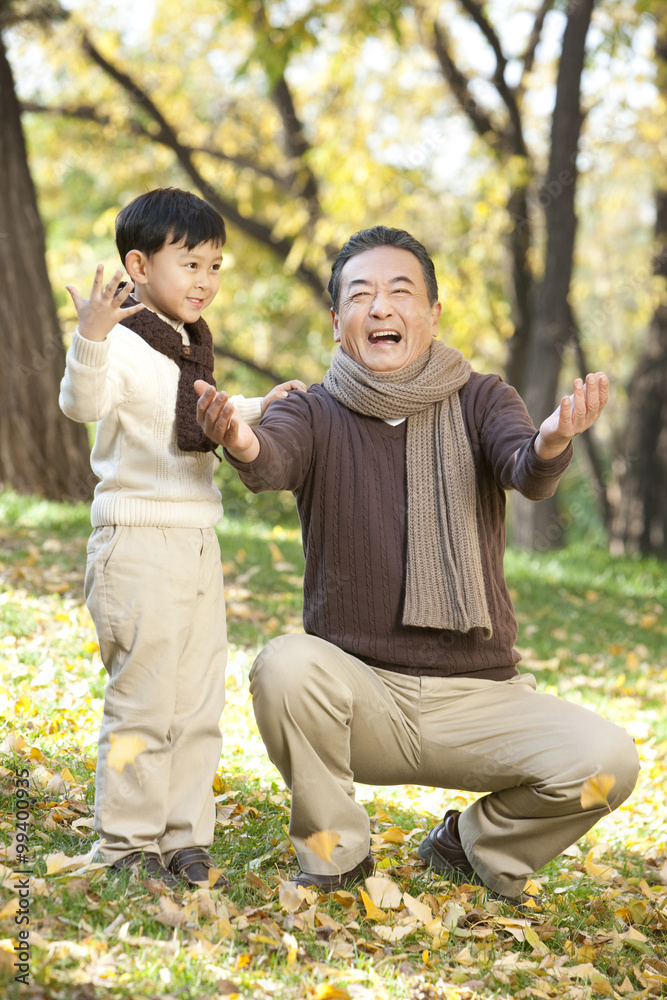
<point>86,112</point>
<point>460,87</point>
<point>298,145</point>
<point>531,47</point>
<point>269,373</point>
<point>477,14</point>
<point>168,137</point>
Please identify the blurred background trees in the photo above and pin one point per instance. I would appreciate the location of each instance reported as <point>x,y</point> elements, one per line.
<point>520,143</point>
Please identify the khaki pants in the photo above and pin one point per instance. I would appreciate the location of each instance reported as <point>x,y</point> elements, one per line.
<point>157,599</point>
<point>328,720</point>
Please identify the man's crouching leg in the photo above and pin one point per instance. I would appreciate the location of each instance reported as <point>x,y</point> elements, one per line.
<point>303,692</point>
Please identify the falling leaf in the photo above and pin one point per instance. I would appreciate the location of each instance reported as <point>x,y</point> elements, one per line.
<point>124,750</point>
<point>322,843</point>
<point>373,912</point>
<point>594,790</point>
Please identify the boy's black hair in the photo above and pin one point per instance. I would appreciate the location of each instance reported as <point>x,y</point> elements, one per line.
<point>167,215</point>
<point>382,236</point>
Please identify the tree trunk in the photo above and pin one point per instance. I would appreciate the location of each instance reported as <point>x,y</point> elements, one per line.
<point>539,525</point>
<point>640,516</point>
<point>41,451</point>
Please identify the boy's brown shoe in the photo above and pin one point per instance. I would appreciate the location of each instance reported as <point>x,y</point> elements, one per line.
<point>147,865</point>
<point>331,883</point>
<point>192,864</point>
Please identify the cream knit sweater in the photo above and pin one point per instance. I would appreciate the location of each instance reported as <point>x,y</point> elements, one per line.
<point>129,390</point>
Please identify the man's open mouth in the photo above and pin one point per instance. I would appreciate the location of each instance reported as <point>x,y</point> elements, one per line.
<point>385,337</point>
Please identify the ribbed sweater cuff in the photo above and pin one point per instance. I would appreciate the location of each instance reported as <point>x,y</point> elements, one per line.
<point>249,409</point>
<point>93,353</point>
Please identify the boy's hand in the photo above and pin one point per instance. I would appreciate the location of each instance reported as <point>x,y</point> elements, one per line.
<point>99,314</point>
<point>280,391</point>
<point>222,424</point>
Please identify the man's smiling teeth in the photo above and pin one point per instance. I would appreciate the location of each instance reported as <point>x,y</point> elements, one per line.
<point>387,336</point>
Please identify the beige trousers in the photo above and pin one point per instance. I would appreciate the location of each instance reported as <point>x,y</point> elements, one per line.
<point>157,599</point>
<point>328,720</point>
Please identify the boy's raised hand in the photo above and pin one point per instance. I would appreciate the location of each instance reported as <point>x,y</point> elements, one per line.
<point>99,314</point>
<point>221,423</point>
<point>280,391</point>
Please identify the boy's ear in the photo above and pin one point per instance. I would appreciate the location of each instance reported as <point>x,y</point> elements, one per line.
<point>135,265</point>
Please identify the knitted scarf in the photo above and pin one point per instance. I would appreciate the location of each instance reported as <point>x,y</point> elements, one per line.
<point>195,361</point>
<point>444,583</point>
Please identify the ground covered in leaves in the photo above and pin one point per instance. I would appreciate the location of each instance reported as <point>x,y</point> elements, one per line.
<point>592,629</point>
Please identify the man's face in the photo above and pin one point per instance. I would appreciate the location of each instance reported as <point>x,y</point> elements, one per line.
<point>384,320</point>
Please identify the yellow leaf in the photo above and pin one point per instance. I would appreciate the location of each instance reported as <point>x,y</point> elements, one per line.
<point>322,843</point>
<point>418,909</point>
<point>605,873</point>
<point>124,750</point>
<point>10,908</point>
<point>373,912</point>
<point>535,941</point>
<point>601,984</point>
<point>594,790</point>
<point>325,991</point>
<point>289,896</point>
<point>394,835</point>
<point>384,892</point>
<point>213,876</point>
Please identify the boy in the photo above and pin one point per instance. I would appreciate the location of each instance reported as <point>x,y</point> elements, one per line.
<point>154,582</point>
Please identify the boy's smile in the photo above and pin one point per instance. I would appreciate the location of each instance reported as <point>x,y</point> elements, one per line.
<point>175,281</point>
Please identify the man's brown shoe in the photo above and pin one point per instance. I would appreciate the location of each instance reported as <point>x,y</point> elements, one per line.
<point>332,883</point>
<point>192,864</point>
<point>443,851</point>
<point>147,865</point>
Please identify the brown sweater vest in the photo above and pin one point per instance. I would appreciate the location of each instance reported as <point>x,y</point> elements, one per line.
<point>347,473</point>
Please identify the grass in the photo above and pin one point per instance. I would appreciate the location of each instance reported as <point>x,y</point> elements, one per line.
<point>591,628</point>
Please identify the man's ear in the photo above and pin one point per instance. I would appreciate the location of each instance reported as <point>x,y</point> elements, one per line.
<point>135,265</point>
<point>435,317</point>
<point>336,326</point>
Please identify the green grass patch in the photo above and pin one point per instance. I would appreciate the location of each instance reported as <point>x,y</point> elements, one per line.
<point>592,629</point>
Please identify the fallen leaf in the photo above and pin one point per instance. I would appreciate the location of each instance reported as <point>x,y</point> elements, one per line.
<point>289,896</point>
<point>420,910</point>
<point>124,750</point>
<point>322,843</point>
<point>384,892</point>
<point>373,912</point>
<point>594,790</point>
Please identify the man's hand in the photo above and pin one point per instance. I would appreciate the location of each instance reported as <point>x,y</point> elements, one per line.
<point>575,414</point>
<point>99,314</point>
<point>280,391</point>
<point>222,424</point>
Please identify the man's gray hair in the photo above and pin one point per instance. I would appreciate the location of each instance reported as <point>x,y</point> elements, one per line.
<point>382,236</point>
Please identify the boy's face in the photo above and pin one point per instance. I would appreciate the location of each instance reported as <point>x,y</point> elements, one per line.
<point>175,281</point>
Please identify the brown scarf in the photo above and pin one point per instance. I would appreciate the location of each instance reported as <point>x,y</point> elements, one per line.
<point>444,582</point>
<point>195,361</point>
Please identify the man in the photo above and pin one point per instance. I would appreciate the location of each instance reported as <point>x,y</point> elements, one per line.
<point>399,462</point>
